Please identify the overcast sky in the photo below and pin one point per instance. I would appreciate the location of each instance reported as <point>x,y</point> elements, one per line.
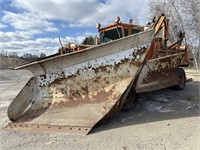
<point>34,25</point>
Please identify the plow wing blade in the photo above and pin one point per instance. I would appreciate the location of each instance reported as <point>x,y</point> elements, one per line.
<point>72,92</point>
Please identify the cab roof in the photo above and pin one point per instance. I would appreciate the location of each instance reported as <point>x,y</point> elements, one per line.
<point>124,25</point>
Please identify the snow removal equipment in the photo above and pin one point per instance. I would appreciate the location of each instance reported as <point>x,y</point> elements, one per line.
<point>74,89</point>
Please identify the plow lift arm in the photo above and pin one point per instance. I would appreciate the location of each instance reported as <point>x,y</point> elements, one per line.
<point>160,47</point>
<point>162,24</point>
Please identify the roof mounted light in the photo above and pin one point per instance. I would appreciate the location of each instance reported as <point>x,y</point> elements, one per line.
<point>131,21</point>
<point>117,19</point>
<point>98,25</point>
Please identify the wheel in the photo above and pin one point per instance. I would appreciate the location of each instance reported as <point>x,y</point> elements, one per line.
<point>182,79</point>
<point>130,101</point>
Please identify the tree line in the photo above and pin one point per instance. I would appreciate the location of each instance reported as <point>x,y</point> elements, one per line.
<point>26,56</point>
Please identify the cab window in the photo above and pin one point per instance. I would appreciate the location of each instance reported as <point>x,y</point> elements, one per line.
<point>125,32</point>
<point>113,34</point>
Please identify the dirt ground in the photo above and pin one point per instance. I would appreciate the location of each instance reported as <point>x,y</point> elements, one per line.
<point>163,120</point>
<point>10,62</point>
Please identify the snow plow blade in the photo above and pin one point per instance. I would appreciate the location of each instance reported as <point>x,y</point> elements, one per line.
<point>73,92</point>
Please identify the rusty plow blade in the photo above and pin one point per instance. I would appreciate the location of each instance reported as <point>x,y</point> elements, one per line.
<point>72,92</point>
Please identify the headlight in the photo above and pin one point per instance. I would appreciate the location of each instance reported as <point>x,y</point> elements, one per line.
<point>117,19</point>
<point>98,25</point>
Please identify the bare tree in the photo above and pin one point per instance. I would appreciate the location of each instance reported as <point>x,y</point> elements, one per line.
<point>12,55</point>
<point>42,55</point>
<point>4,53</point>
<point>88,40</point>
<point>191,9</point>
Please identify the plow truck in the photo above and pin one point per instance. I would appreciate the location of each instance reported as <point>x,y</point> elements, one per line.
<point>74,89</point>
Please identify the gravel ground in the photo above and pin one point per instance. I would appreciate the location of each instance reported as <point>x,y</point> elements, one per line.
<point>163,120</point>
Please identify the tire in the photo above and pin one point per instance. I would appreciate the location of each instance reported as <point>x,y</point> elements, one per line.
<point>182,80</point>
<point>131,100</point>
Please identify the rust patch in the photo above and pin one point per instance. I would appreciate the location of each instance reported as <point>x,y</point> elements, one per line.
<point>77,99</point>
<point>158,74</point>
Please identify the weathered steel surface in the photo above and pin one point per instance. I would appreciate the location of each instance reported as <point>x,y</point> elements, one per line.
<point>47,128</point>
<point>74,91</point>
<point>159,73</point>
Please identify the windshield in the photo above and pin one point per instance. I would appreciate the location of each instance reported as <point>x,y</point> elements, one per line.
<point>113,34</point>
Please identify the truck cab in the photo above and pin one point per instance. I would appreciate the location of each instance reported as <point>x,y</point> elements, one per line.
<point>117,30</point>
